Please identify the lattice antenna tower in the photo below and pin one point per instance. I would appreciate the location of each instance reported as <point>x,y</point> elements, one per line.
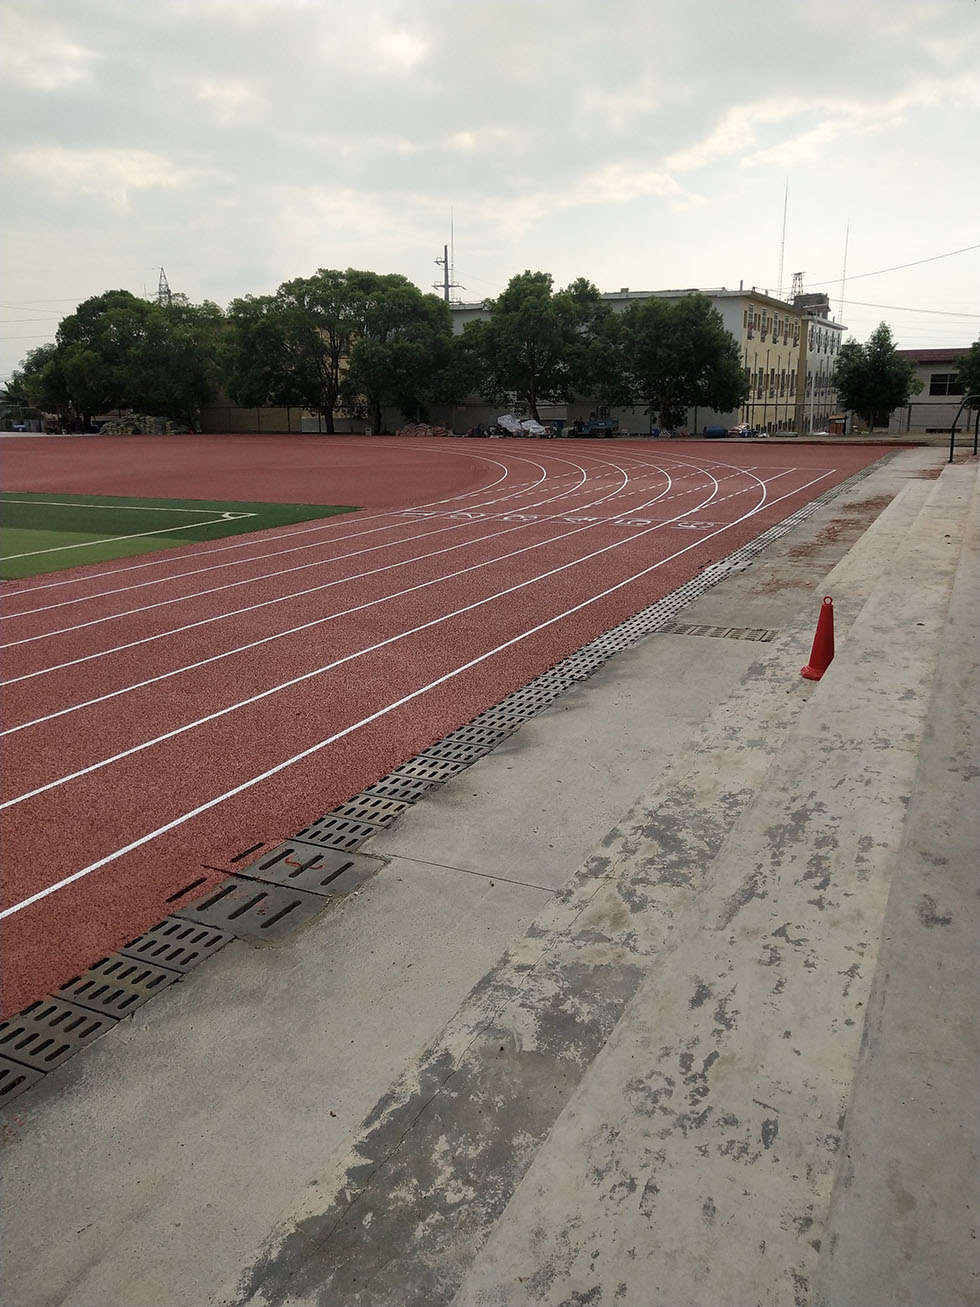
<point>797,285</point>
<point>782,242</point>
<point>449,282</point>
<point>164,295</point>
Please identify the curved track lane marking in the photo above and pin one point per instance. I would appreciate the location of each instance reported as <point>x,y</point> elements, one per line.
<point>277,635</point>
<point>218,549</point>
<point>409,539</point>
<point>381,712</point>
<point>381,644</point>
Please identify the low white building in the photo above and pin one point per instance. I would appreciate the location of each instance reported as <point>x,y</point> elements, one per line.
<point>933,409</point>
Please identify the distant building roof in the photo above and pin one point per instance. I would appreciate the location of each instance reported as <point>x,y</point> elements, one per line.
<point>952,354</point>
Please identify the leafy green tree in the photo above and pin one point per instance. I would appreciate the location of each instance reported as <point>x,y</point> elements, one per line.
<point>292,347</point>
<point>872,379</point>
<point>402,350</point>
<point>119,351</point>
<point>40,384</point>
<point>677,354</point>
<point>540,344</point>
<point>968,372</point>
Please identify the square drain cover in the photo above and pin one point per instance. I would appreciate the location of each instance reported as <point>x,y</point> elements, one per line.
<point>117,985</point>
<point>49,1031</point>
<point>15,1078</point>
<point>177,945</point>
<point>313,868</point>
<point>255,910</point>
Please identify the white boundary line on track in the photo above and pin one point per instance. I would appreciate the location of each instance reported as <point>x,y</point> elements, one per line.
<point>409,539</point>
<point>381,712</point>
<point>399,521</point>
<point>319,621</point>
<point>371,604</point>
<point>318,671</point>
<point>322,525</point>
<point>398,514</point>
<point>135,535</point>
<point>235,612</point>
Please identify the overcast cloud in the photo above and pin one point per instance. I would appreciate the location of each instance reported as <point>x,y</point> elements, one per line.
<point>639,143</point>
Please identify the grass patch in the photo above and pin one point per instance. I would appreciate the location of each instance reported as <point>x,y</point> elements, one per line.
<point>45,532</point>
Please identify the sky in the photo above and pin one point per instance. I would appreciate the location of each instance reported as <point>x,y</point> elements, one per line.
<point>639,143</point>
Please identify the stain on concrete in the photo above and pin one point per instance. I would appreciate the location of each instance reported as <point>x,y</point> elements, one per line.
<point>433,1169</point>
<point>769,1131</point>
<point>927,913</point>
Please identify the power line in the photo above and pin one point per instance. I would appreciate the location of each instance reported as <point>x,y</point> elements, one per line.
<point>905,308</point>
<point>897,268</point>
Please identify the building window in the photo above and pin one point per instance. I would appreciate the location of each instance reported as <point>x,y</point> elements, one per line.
<point>944,383</point>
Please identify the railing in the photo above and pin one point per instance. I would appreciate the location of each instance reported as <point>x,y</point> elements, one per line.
<point>969,401</point>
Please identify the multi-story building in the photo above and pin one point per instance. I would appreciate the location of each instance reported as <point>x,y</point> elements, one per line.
<point>788,351</point>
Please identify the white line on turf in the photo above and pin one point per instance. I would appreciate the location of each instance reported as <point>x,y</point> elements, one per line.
<point>135,535</point>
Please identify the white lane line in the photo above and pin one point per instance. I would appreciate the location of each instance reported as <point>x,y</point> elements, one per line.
<point>135,535</point>
<point>231,585</point>
<point>319,621</point>
<point>276,553</point>
<point>318,671</point>
<point>381,712</point>
<point>219,549</point>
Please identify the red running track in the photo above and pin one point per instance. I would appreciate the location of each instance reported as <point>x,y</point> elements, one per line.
<point>163,715</point>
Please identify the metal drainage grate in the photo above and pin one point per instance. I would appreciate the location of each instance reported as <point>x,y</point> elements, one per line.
<point>254,909</point>
<point>720,632</point>
<point>452,750</point>
<point>430,769</point>
<point>15,1078</point>
<point>177,945</point>
<point>117,985</point>
<point>337,832</point>
<point>372,808</point>
<point>326,872</point>
<point>49,1031</point>
<point>407,788</point>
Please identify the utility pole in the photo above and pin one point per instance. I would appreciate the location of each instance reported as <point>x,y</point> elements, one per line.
<point>447,284</point>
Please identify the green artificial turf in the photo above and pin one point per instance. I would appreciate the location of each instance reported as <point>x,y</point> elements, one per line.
<point>48,532</point>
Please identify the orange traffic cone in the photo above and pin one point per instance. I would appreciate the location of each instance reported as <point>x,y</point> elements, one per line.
<point>822,653</point>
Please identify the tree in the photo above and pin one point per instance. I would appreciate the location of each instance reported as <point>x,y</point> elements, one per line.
<point>402,350</point>
<point>677,354</point>
<point>292,347</point>
<point>968,371</point>
<point>872,379</point>
<point>40,384</point>
<point>119,351</point>
<point>540,344</point>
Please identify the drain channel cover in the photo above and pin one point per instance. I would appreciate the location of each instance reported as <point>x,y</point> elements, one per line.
<point>427,768</point>
<point>311,867</point>
<point>255,910</point>
<point>407,788</point>
<point>117,985</point>
<point>49,1031</point>
<point>15,1078</point>
<point>372,808</point>
<point>337,832</point>
<point>177,945</point>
